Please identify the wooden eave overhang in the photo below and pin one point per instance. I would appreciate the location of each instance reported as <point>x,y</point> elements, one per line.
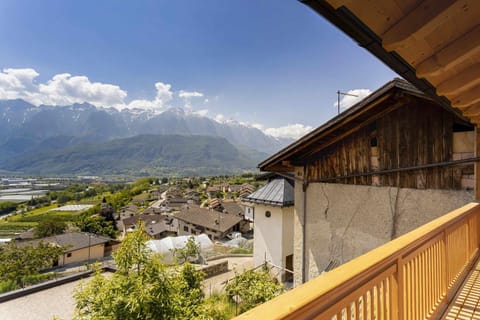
<point>434,44</point>
<point>392,95</point>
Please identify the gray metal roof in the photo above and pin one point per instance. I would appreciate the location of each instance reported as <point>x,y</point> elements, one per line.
<point>278,192</point>
<point>73,240</point>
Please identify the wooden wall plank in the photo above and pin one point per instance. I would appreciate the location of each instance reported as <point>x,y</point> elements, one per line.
<point>414,134</point>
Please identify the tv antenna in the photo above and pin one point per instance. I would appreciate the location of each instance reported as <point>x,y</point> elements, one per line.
<point>339,93</point>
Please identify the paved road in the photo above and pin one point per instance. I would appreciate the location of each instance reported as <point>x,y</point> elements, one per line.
<point>46,304</point>
<point>217,283</point>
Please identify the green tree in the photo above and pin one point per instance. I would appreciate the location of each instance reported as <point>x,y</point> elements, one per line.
<point>190,252</point>
<point>142,287</point>
<point>64,197</point>
<point>20,263</point>
<point>251,288</point>
<point>7,207</point>
<point>50,227</point>
<point>97,225</point>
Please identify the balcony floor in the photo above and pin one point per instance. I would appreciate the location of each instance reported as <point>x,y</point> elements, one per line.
<point>466,304</point>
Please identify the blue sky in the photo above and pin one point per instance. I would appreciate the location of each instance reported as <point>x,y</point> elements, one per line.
<point>269,63</point>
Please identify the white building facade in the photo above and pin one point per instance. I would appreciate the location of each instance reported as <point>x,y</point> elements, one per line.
<point>273,210</point>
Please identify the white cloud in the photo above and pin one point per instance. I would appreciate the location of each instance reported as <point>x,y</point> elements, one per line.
<point>189,94</point>
<point>164,93</point>
<point>17,78</point>
<point>354,96</point>
<point>219,118</point>
<point>64,89</point>
<point>16,83</point>
<point>141,104</point>
<point>291,131</point>
<point>163,96</point>
<point>294,131</point>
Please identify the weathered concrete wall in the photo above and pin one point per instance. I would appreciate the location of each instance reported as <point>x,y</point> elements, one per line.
<point>345,221</point>
<point>214,269</point>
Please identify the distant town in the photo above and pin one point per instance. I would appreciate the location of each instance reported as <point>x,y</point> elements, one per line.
<point>87,217</point>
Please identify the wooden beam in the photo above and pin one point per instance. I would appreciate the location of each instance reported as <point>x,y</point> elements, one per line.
<point>419,22</point>
<point>475,120</point>
<point>460,82</point>
<point>467,98</point>
<point>471,111</point>
<point>477,123</point>
<point>476,165</point>
<point>461,49</point>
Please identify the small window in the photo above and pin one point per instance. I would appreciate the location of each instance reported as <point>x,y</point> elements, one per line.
<point>373,142</point>
<point>69,255</point>
<point>185,228</point>
<point>268,214</point>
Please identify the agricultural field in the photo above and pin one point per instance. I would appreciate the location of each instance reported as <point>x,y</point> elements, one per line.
<point>17,223</point>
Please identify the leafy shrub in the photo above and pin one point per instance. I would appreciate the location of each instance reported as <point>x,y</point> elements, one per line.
<point>252,287</point>
<point>37,278</point>
<point>241,251</point>
<point>8,285</point>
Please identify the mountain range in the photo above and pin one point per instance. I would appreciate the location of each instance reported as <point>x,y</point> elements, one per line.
<point>43,139</point>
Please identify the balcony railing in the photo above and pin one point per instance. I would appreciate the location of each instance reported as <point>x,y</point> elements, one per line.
<point>412,277</point>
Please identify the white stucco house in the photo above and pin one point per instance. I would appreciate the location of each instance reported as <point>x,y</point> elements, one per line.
<point>272,210</point>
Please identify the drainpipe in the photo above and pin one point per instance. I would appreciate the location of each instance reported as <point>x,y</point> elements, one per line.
<point>304,231</point>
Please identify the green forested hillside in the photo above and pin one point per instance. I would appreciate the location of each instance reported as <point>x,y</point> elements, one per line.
<point>144,154</point>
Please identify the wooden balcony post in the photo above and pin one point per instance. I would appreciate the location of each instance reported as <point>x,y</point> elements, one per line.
<point>398,292</point>
<point>476,165</point>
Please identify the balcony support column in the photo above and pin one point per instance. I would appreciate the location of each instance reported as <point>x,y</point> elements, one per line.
<point>476,164</point>
<point>305,266</point>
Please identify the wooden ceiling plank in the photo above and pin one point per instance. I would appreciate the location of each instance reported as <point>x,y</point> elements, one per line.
<point>472,111</point>
<point>475,120</point>
<point>454,53</point>
<point>460,82</point>
<point>421,21</point>
<point>467,98</point>
<point>338,3</point>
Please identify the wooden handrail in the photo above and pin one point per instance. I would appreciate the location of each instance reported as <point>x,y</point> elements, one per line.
<point>411,277</point>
